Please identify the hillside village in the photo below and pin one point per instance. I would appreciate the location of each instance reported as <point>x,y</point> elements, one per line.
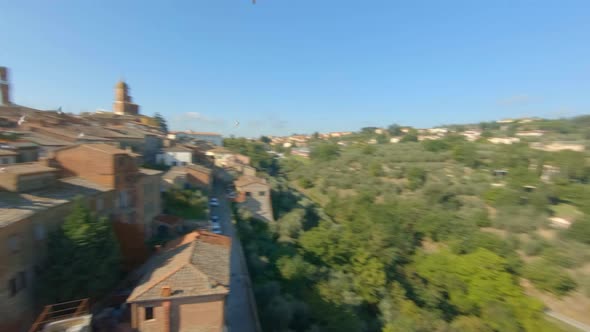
<point>337,228</point>
<point>151,185</point>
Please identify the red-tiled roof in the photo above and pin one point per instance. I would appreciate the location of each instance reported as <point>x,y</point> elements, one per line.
<point>196,264</point>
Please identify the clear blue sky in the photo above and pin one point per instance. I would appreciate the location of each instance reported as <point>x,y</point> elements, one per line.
<point>284,66</point>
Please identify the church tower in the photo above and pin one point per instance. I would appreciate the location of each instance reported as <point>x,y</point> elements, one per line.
<point>4,87</point>
<point>123,104</point>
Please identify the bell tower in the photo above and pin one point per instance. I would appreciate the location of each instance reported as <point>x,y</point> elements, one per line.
<point>123,104</point>
<point>4,87</point>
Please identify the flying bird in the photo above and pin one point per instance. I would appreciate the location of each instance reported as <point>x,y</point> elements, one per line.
<point>21,120</point>
<point>237,124</point>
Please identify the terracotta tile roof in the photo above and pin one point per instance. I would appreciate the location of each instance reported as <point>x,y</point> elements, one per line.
<point>200,168</point>
<point>17,206</point>
<point>196,264</point>
<point>106,148</point>
<point>178,148</point>
<point>245,180</point>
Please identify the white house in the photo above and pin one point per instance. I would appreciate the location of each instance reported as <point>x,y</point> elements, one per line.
<point>530,133</point>
<point>175,156</point>
<point>503,140</point>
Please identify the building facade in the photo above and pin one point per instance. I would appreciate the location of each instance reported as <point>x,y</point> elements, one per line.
<point>184,286</point>
<point>33,203</point>
<point>254,195</point>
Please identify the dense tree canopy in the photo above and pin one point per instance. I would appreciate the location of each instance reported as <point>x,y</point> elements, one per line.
<point>83,258</point>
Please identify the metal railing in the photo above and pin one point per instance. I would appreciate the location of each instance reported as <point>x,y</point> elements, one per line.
<point>58,311</point>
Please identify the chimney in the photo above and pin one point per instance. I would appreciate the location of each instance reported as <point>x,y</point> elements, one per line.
<point>4,87</point>
<point>166,291</point>
<point>166,313</point>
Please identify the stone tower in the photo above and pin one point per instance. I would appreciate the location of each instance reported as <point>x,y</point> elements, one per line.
<point>123,104</point>
<point>4,87</point>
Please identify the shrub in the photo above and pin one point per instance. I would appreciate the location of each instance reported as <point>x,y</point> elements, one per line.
<point>548,277</point>
<point>305,183</point>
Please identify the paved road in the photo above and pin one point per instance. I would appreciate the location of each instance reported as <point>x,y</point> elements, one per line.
<point>569,321</point>
<point>239,310</point>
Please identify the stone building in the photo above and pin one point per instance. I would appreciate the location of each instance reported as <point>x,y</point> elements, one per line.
<point>34,202</point>
<point>254,195</point>
<point>184,287</point>
<point>134,188</point>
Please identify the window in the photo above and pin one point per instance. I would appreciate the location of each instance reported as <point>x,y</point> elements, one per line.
<point>99,204</point>
<point>12,286</point>
<point>248,194</point>
<point>123,199</point>
<point>39,232</point>
<point>261,193</point>
<point>149,313</point>
<point>121,161</point>
<point>18,283</point>
<point>14,243</point>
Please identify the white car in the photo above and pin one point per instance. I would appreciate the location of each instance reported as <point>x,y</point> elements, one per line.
<point>215,228</point>
<point>213,202</point>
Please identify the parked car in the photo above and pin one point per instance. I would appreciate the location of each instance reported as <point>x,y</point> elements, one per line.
<point>214,219</point>
<point>231,195</point>
<point>214,202</point>
<point>216,228</point>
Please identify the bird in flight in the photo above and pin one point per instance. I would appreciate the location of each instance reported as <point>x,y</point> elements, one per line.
<point>237,124</point>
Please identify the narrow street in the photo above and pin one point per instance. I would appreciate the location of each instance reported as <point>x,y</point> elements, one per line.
<point>240,312</point>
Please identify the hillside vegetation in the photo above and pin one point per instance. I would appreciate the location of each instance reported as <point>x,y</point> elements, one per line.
<point>421,236</point>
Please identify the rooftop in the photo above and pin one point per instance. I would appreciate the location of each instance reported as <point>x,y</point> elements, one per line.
<point>245,180</point>
<point>196,264</point>
<point>203,133</point>
<point>17,206</point>
<point>178,148</point>
<point>31,168</point>
<point>7,153</point>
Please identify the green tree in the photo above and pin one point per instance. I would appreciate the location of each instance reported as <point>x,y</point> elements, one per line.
<point>580,230</point>
<point>325,151</point>
<point>410,136</point>
<point>265,139</point>
<point>83,258</point>
<point>394,130</point>
<point>162,124</point>
<point>416,177</point>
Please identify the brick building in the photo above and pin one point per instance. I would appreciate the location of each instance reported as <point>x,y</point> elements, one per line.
<point>254,195</point>
<point>34,202</point>
<point>185,177</point>
<point>184,287</point>
<point>137,191</point>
